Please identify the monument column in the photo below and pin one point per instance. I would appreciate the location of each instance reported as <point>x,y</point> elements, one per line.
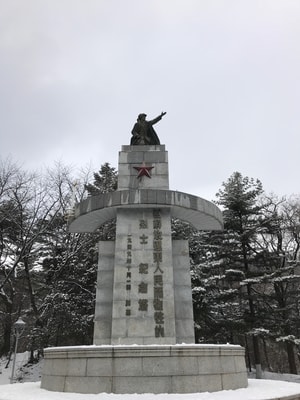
<point>142,308</point>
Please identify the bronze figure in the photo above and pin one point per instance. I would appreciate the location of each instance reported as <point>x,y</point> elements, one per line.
<point>143,132</point>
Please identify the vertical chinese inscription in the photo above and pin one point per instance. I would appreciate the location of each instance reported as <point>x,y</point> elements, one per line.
<point>158,289</point>
<point>143,270</point>
<point>128,275</point>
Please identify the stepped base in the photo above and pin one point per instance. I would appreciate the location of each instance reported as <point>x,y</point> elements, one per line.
<point>144,369</point>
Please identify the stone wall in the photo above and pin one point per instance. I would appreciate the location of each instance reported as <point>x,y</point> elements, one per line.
<point>144,369</point>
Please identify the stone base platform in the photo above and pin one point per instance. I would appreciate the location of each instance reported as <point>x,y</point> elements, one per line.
<point>144,369</point>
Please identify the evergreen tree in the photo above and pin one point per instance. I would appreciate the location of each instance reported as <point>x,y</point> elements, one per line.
<point>215,288</point>
<point>106,180</point>
<point>242,219</point>
<point>225,272</point>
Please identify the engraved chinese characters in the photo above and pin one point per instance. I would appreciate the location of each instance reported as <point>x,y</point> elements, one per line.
<point>148,273</point>
<point>128,275</point>
<point>158,275</point>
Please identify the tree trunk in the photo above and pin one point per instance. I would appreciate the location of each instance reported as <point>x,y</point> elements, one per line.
<point>266,354</point>
<point>257,357</point>
<point>291,357</point>
<point>30,289</point>
<point>248,359</point>
<point>6,338</point>
<point>255,339</point>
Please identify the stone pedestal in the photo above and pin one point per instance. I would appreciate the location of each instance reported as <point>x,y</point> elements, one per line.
<point>131,157</point>
<point>144,369</point>
<point>144,310</point>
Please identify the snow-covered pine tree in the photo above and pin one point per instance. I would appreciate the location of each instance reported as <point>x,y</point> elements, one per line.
<point>215,287</point>
<point>105,180</point>
<point>242,220</point>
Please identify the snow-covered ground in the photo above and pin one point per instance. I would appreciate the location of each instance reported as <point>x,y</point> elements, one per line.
<point>257,390</point>
<point>23,371</point>
<point>274,386</point>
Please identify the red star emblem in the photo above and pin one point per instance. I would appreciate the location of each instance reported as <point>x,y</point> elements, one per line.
<point>143,170</point>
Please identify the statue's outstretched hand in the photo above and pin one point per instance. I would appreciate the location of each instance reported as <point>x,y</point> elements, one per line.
<point>163,113</point>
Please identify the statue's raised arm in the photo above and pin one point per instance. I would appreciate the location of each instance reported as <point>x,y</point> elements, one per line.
<point>143,132</point>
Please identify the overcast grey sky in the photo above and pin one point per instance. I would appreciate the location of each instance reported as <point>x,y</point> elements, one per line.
<point>75,74</point>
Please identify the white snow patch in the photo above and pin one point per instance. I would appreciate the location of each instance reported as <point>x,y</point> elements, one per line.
<point>23,371</point>
<point>257,390</point>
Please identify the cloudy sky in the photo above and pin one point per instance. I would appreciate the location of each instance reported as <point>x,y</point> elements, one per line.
<point>74,75</point>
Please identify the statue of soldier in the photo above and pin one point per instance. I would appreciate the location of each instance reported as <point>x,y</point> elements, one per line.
<point>143,132</point>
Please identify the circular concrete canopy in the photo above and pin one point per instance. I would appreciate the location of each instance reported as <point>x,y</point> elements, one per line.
<point>91,213</point>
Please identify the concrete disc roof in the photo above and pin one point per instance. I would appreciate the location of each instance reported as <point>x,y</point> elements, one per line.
<point>91,213</point>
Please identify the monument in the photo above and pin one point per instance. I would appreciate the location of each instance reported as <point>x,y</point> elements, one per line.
<point>144,330</point>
